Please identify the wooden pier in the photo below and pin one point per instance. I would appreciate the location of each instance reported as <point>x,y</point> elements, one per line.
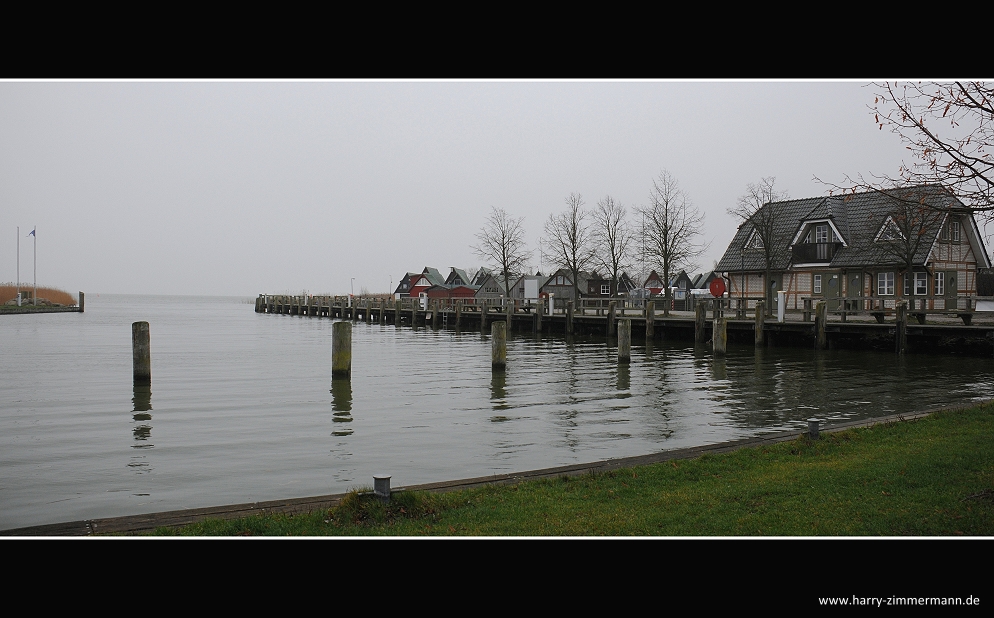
<point>875,327</point>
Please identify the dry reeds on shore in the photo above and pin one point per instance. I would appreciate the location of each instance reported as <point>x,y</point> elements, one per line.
<point>8,291</point>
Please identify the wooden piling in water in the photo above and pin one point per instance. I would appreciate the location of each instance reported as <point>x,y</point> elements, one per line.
<point>81,302</point>
<point>483,317</point>
<point>625,341</point>
<point>396,312</point>
<point>719,336</point>
<point>141,353</point>
<point>341,351</point>
<point>458,314</point>
<point>650,320</point>
<point>821,316</point>
<point>700,323</point>
<point>434,315</point>
<point>539,309</point>
<point>611,307</point>
<point>569,317</point>
<point>760,322</point>
<point>498,353</point>
<point>901,332</point>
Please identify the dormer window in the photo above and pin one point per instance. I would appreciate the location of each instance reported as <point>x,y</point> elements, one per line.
<point>821,233</point>
<point>889,231</point>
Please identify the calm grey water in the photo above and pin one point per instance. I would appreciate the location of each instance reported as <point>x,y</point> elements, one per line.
<point>241,407</point>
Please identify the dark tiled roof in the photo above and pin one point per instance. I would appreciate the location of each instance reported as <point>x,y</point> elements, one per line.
<point>858,218</point>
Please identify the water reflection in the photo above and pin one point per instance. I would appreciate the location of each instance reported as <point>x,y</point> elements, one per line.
<point>341,403</point>
<point>142,404</point>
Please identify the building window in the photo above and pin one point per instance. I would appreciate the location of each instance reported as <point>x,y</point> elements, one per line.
<point>940,284</point>
<point>605,289</point>
<point>885,284</point>
<point>954,231</point>
<point>817,284</point>
<point>907,284</point>
<point>921,284</point>
<point>821,233</point>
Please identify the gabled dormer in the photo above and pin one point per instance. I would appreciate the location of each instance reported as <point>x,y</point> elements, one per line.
<point>816,242</point>
<point>889,231</point>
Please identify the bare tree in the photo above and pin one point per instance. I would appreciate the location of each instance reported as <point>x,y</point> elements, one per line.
<point>569,239</point>
<point>761,207</point>
<point>912,225</point>
<point>502,244</point>
<point>613,237</point>
<point>672,226</point>
<point>949,130</point>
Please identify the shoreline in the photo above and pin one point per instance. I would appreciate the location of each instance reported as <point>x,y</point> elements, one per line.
<point>133,524</point>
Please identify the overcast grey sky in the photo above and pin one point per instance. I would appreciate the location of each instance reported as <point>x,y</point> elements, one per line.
<point>247,187</point>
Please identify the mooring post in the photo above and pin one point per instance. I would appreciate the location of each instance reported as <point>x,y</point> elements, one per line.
<point>396,311</point>
<point>498,353</point>
<point>901,336</point>
<point>760,321</point>
<point>341,350</point>
<point>435,322</point>
<point>539,309</point>
<point>483,317</point>
<point>610,318</point>
<point>625,340</point>
<point>569,317</point>
<point>381,486</point>
<point>81,302</point>
<point>720,335</point>
<point>650,320</point>
<point>700,323</point>
<point>141,354</point>
<point>813,427</point>
<point>458,314</point>
<point>821,315</point>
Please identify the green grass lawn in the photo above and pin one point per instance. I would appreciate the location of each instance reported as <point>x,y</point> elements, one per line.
<point>933,477</point>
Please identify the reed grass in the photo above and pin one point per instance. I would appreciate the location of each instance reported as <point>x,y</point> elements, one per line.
<point>8,291</point>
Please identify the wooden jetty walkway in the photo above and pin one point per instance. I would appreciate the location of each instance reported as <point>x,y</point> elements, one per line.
<point>876,325</point>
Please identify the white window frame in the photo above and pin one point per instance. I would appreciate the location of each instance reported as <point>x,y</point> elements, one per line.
<point>605,288</point>
<point>940,284</point>
<point>954,231</point>
<point>816,285</point>
<point>921,284</point>
<point>821,233</point>
<point>885,284</point>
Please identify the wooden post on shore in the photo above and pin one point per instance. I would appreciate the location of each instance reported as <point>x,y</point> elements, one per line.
<point>610,318</point>
<point>901,334</point>
<point>821,315</point>
<point>483,317</point>
<point>81,302</point>
<point>650,320</point>
<point>141,353</point>
<point>700,334</point>
<point>498,353</point>
<point>760,319</point>
<point>719,336</point>
<point>569,317</point>
<point>341,351</point>
<point>625,341</point>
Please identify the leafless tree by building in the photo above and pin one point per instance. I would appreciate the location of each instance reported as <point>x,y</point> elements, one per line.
<point>501,243</point>
<point>569,239</point>
<point>613,238</point>
<point>949,130</point>
<point>672,227</point>
<point>761,208</point>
